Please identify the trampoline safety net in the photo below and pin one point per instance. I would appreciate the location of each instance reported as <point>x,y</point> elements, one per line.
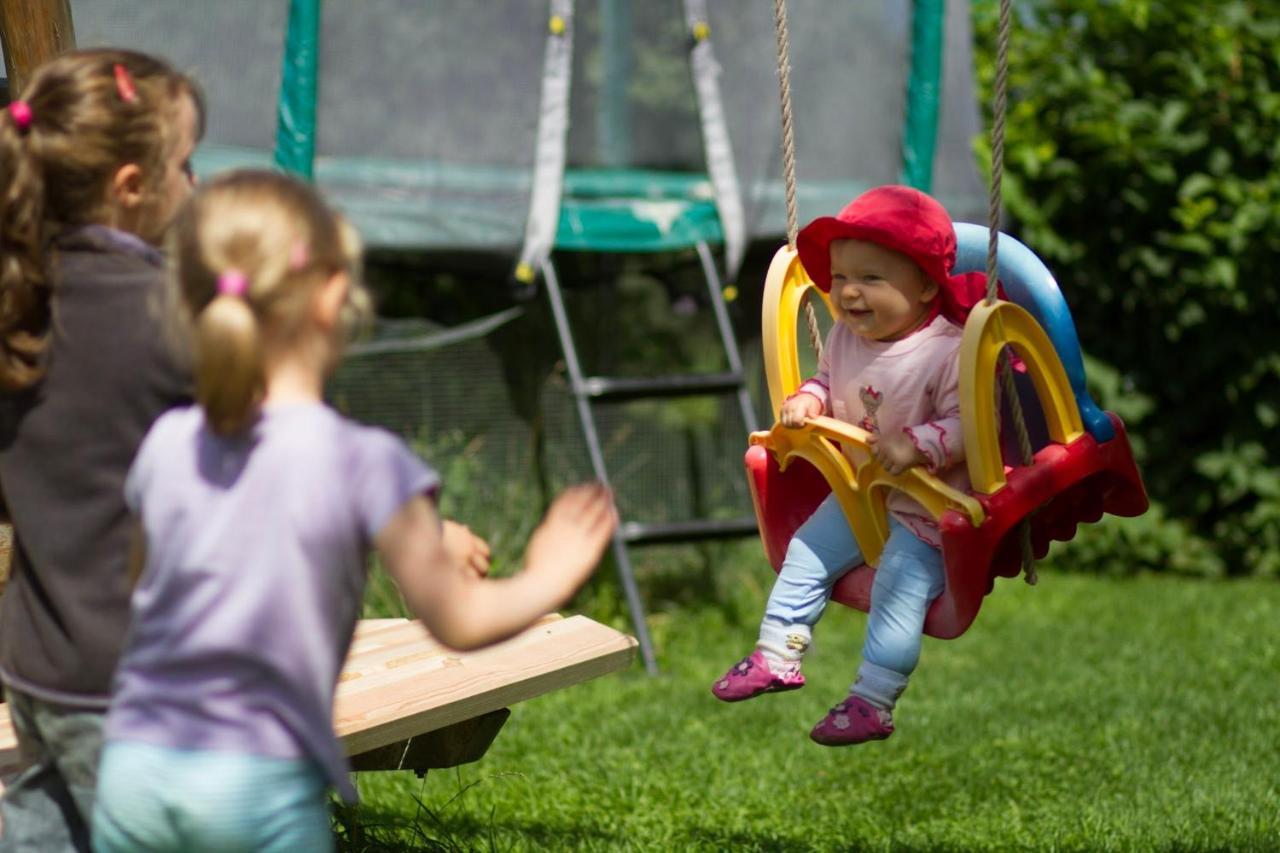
<point>426,118</point>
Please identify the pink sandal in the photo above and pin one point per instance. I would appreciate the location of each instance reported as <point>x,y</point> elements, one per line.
<point>752,676</point>
<point>854,720</point>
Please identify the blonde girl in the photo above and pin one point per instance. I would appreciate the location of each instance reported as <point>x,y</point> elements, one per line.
<point>259,506</point>
<point>94,163</point>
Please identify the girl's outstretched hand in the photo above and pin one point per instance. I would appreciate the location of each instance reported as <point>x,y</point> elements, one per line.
<point>439,567</point>
<point>569,542</point>
<point>465,548</point>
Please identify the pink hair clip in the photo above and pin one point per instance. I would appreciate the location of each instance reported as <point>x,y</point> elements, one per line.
<point>124,84</point>
<point>22,115</point>
<point>298,256</point>
<point>233,283</point>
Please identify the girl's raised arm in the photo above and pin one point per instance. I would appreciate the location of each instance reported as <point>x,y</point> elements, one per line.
<point>466,611</point>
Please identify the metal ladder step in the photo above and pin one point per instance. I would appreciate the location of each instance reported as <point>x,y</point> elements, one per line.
<point>637,533</point>
<point>589,390</point>
<point>617,388</point>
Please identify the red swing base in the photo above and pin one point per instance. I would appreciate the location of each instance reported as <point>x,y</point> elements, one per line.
<point>1067,485</point>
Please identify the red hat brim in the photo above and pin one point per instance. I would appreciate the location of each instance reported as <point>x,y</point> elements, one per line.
<point>895,217</point>
<point>813,244</point>
<point>904,220</point>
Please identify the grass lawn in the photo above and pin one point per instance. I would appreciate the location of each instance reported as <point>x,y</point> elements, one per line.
<point>1084,714</point>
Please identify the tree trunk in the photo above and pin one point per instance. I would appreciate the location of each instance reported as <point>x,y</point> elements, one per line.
<point>33,32</point>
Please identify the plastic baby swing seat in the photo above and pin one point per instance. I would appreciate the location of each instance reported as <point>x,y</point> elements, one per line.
<point>1083,466</point>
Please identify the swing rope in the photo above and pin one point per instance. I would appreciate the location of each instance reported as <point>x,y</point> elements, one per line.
<point>999,111</point>
<point>789,156</point>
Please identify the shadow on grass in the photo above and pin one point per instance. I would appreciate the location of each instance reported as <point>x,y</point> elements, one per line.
<point>746,842</point>
<point>719,839</point>
<point>359,830</point>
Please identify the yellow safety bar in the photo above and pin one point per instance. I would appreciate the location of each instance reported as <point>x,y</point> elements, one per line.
<point>987,331</point>
<point>859,481</point>
<point>784,288</point>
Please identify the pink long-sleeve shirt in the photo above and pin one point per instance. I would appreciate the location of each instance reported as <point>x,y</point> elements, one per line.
<point>910,385</point>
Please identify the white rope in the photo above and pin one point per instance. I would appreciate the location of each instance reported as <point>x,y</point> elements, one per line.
<point>788,123</point>
<point>999,113</point>
<point>789,156</point>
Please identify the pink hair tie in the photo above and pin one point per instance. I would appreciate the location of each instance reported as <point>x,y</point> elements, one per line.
<point>233,283</point>
<point>22,116</point>
<point>298,256</point>
<point>124,84</point>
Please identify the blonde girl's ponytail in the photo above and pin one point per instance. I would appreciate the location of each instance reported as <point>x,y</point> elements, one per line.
<point>228,350</point>
<point>248,253</point>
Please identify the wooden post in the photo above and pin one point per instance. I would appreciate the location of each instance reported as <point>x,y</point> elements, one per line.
<point>6,553</point>
<point>32,32</point>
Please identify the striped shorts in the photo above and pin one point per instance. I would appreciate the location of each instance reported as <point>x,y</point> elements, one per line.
<point>155,798</point>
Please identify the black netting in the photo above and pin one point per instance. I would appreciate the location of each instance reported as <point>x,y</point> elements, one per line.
<point>956,181</point>
<point>505,397</point>
<point>427,112</point>
<point>427,117</point>
<point>233,47</point>
<point>445,82</point>
<point>632,99</point>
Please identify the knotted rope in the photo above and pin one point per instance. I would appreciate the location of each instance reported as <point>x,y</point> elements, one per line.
<point>789,155</point>
<point>999,114</point>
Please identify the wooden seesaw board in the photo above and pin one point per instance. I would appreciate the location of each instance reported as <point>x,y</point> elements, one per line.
<point>406,702</point>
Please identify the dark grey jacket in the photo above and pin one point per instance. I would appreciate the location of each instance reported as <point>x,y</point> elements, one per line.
<point>65,448</point>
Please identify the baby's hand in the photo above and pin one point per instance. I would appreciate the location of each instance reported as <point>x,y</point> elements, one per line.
<point>799,408</point>
<point>466,548</point>
<point>896,453</point>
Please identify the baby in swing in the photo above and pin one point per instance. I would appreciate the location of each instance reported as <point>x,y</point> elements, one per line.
<point>891,366</point>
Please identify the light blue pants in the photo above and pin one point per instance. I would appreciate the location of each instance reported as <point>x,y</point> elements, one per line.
<point>154,798</point>
<point>909,578</point>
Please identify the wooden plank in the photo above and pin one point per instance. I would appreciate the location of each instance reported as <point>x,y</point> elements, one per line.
<point>412,654</point>
<point>400,684</point>
<point>375,633</point>
<point>372,634</point>
<point>394,643</point>
<point>434,687</point>
<point>33,31</point>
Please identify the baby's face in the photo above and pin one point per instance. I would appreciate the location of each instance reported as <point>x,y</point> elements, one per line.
<point>878,293</point>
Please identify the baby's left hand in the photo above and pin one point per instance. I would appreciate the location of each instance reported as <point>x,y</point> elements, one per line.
<point>896,453</point>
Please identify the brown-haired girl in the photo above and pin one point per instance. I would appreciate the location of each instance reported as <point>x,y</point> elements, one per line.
<point>94,163</point>
<point>259,507</point>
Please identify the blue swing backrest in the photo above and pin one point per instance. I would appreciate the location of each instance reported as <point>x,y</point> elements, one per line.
<point>1028,282</point>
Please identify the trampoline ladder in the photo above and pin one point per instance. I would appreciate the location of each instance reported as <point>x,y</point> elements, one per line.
<point>595,389</point>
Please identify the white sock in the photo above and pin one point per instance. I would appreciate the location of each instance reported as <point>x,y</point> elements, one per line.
<point>878,685</point>
<point>783,645</point>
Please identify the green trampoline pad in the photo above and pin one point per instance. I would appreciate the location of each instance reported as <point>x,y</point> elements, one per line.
<point>405,204</point>
<point>623,210</point>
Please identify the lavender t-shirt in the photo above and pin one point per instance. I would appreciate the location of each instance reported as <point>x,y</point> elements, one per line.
<point>255,569</point>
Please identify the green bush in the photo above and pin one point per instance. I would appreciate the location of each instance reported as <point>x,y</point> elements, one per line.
<point>1141,152</point>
